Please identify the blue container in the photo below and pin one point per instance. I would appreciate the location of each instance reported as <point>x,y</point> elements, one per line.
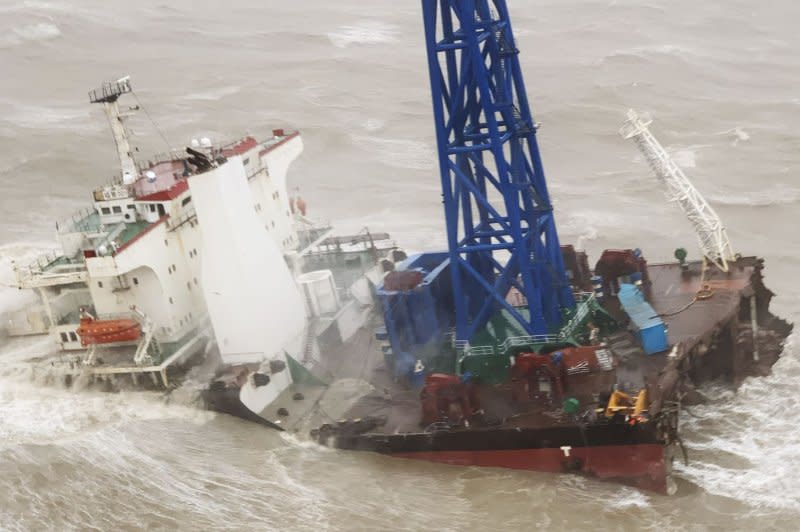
<point>649,327</point>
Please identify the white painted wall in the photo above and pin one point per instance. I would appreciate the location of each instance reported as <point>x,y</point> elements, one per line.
<point>161,276</point>
<point>255,307</point>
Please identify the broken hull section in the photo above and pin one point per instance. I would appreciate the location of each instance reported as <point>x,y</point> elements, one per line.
<point>630,455</point>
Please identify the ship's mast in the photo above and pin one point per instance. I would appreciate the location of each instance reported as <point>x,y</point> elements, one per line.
<point>500,225</point>
<point>109,95</point>
<point>711,234</point>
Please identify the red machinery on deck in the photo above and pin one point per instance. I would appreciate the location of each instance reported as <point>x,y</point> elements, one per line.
<point>447,397</point>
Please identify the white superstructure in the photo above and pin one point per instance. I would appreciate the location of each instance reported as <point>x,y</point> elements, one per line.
<point>203,248</point>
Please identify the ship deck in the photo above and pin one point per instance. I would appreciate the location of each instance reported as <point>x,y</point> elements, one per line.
<point>116,360</point>
<point>672,293</point>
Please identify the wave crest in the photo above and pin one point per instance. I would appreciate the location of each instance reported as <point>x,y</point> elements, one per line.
<point>366,32</point>
<point>40,31</point>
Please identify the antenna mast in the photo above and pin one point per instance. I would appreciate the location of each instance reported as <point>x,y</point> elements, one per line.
<point>108,95</point>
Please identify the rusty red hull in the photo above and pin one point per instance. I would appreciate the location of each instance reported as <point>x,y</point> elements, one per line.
<point>643,466</point>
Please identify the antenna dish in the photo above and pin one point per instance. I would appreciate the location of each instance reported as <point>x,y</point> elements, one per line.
<point>128,178</point>
<point>195,143</point>
<point>102,250</point>
<point>151,176</point>
<point>205,142</point>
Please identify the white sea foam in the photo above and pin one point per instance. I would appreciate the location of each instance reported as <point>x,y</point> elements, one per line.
<point>19,253</point>
<point>373,124</point>
<point>214,95</point>
<point>685,158</point>
<point>778,194</point>
<point>40,31</point>
<point>48,117</point>
<point>364,32</point>
<point>400,153</point>
<point>756,426</point>
<point>651,50</point>
<point>737,135</point>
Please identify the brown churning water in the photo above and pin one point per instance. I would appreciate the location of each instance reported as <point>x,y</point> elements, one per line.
<point>719,77</point>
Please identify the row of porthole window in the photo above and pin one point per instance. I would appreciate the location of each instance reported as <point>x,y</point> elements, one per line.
<point>188,285</point>
<point>187,319</point>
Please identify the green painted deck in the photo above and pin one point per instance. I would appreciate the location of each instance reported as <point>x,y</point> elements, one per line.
<point>130,232</point>
<point>90,223</point>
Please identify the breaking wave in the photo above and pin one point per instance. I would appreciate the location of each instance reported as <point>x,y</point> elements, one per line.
<point>21,253</point>
<point>651,50</point>
<point>746,444</point>
<point>780,194</point>
<point>400,153</point>
<point>214,95</point>
<point>366,32</point>
<point>736,135</point>
<point>45,117</point>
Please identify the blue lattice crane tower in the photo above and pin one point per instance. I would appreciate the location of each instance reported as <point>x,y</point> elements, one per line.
<point>500,226</point>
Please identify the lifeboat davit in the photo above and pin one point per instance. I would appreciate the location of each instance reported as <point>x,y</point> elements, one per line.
<point>93,331</point>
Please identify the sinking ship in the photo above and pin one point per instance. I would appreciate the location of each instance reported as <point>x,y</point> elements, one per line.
<point>508,349</point>
<point>200,257</point>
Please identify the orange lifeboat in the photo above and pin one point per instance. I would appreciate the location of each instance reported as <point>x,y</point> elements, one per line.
<point>93,331</point>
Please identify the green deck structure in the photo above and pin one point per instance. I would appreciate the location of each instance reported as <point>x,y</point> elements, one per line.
<point>488,354</point>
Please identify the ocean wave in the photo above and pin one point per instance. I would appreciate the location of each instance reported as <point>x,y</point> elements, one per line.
<point>365,32</point>
<point>400,153</point>
<point>736,135</point>
<point>685,158</point>
<point>214,95</point>
<point>34,414</point>
<point>20,253</point>
<point>40,31</point>
<point>40,116</point>
<point>373,124</point>
<point>780,194</point>
<point>648,51</point>
<point>754,427</point>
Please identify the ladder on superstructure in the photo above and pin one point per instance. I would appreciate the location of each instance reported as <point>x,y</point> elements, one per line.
<point>147,349</point>
<point>708,227</point>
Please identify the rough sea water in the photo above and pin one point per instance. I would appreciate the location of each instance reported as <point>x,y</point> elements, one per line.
<point>720,79</point>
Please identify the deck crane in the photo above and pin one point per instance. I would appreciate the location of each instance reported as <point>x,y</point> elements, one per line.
<point>708,227</point>
<point>500,226</point>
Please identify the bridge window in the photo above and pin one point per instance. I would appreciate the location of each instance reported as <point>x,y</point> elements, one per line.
<point>105,210</point>
<point>64,337</point>
<point>117,209</point>
<point>73,337</point>
<point>99,284</point>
